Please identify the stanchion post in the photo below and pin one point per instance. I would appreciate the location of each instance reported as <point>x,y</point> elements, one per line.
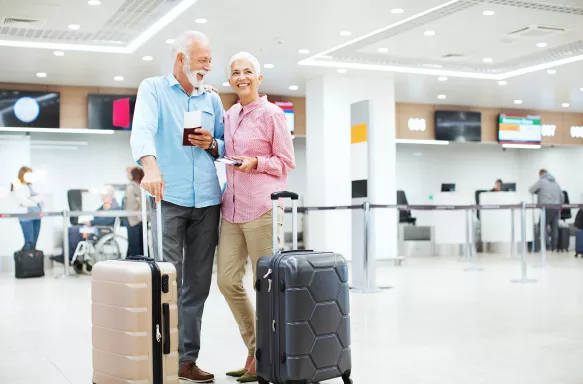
<point>543,236</point>
<point>512,234</point>
<point>366,222</point>
<point>523,278</point>
<point>467,250</point>
<point>66,241</point>
<point>472,243</point>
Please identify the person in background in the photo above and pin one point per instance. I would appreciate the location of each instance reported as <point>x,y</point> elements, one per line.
<point>180,173</point>
<point>134,203</point>
<point>28,198</point>
<point>257,135</point>
<point>497,186</point>
<point>549,191</point>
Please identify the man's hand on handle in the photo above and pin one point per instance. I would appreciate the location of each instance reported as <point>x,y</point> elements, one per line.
<point>153,183</point>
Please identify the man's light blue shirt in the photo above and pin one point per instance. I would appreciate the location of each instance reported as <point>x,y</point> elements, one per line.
<point>189,173</point>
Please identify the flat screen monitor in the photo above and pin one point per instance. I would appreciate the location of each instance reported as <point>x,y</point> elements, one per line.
<point>447,187</point>
<point>111,111</point>
<point>519,129</point>
<point>458,126</point>
<point>288,109</point>
<point>30,109</point>
<point>508,187</point>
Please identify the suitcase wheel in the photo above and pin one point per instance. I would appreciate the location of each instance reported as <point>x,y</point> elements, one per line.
<point>346,377</point>
<point>78,266</point>
<point>261,380</point>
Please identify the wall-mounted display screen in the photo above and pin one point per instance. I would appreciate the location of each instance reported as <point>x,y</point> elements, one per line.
<point>458,126</point>
<point>288,109</point>
<point>31,109</point>
<point>519,129</point>
<point>111,111</point>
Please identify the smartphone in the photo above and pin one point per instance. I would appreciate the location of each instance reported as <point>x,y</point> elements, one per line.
<point>234,163</point>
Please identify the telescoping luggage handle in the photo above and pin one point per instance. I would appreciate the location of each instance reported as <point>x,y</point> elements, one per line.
<point>274,200</point>
<point>145,226</point>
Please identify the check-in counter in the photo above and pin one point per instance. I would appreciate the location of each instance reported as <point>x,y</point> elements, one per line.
<point>496,224</point>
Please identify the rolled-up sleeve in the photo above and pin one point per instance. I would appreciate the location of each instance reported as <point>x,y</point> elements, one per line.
<point>282,159</point>
<point>145,123</point>
<point>219,131</point>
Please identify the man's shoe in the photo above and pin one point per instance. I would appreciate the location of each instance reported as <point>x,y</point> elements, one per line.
<point>237,373</point>
<point>191,373</point>
<point>247,378</point>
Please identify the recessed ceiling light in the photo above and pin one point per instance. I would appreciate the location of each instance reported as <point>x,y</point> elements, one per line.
<point>488,13</point>
<point>41,74</point>
<point>169,41</point>
<point>442,78</point>
<point>226,84</point>
<point>94,2</point>
<point>147,58</point>
<point>565,105</point>
<point>201,21</point>
<point>268,66</point>
<point>345,33</point>
<point>74,27</point>
<point>383,50</point>
<point>488,60</point>
<point>429,33</point>
<point>59,53</point>
<point>502,82</point>
<point>551,71</point>
<point>118,78</point>
<point>517,101</point>
<point>441,97</point>
<point>342,70</point>
<point>541,45</point>
<point>304,51</point>
<point>397,11</point>
<point>293,87</point>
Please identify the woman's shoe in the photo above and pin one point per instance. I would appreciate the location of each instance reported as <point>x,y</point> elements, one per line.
<point>247,378</point>
<point>237,373</point>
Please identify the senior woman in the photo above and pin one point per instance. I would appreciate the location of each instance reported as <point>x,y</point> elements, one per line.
<point>257,135</point>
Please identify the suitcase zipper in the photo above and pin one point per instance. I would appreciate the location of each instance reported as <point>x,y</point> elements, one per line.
<point>275,315</point>
<point>156,321</point>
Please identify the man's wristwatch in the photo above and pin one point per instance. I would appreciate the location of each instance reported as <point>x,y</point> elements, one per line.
<point>213,145</point>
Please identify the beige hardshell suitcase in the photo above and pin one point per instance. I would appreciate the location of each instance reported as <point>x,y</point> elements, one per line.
<point>135,319</point>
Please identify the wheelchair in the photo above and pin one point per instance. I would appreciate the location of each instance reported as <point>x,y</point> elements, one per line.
<point>99,244</point>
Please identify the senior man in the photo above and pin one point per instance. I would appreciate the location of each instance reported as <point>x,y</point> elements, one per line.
<point>181,175</point>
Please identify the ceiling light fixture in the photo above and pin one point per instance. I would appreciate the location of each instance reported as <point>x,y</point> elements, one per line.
<point>147,58</point>
<point>521,146</point>
<point>541,45</point>
<point>488,13</point>
<point>441,97</point>
<point>517,101</point>
<point>268,66</point>
<point>94,2</point>
<point>41,74</point>
<point>429,33</point>
<point>201,21</point>
<point>58,130</point>
<point>345,33</point>
<point>293,87</point>
<point>74,27</point>
<point>59,53</point>
<point>304,51</point>
<point>170,41</point>
<point>397,11</point>
<point>502,82</point>
<point>429,142</point>
<point>565,105</point>
<point>442,78</point>
<point>342,70</point>
<point>551,71</point>
<point>118,78</point>
<point>383,50</point>
<point>487,60</point>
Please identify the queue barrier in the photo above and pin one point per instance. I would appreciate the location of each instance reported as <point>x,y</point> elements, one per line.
<point>366,207</point>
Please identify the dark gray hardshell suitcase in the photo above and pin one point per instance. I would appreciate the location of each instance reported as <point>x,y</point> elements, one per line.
<point>303,314</point>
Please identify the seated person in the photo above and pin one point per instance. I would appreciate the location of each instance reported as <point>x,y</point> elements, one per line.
<point>497,186</point>
<point>75,235</point>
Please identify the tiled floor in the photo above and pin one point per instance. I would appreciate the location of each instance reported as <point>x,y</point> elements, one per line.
<point>438,324</point>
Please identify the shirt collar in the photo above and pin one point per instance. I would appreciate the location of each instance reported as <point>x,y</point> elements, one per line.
<point>254,105</point>
<point>172,81</point>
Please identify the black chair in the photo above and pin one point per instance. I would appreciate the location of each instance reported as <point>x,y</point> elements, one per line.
<point>404,214</point>
<point>75,200</point>
<point>566,212</point>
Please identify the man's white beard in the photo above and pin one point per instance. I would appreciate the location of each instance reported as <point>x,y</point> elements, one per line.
<point>192,75</point>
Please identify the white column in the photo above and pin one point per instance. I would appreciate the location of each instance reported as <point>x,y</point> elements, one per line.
<point>329,163</point>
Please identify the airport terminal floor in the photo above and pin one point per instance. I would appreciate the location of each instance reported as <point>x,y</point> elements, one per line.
<point>436,324</point>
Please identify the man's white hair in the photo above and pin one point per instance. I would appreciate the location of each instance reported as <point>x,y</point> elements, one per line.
<point>248,57</point>
<point>107,192</point>
<point>183,43</point>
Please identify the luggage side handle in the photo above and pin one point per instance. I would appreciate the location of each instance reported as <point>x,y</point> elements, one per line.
<point>145,226</point>
<point>274,200</point>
